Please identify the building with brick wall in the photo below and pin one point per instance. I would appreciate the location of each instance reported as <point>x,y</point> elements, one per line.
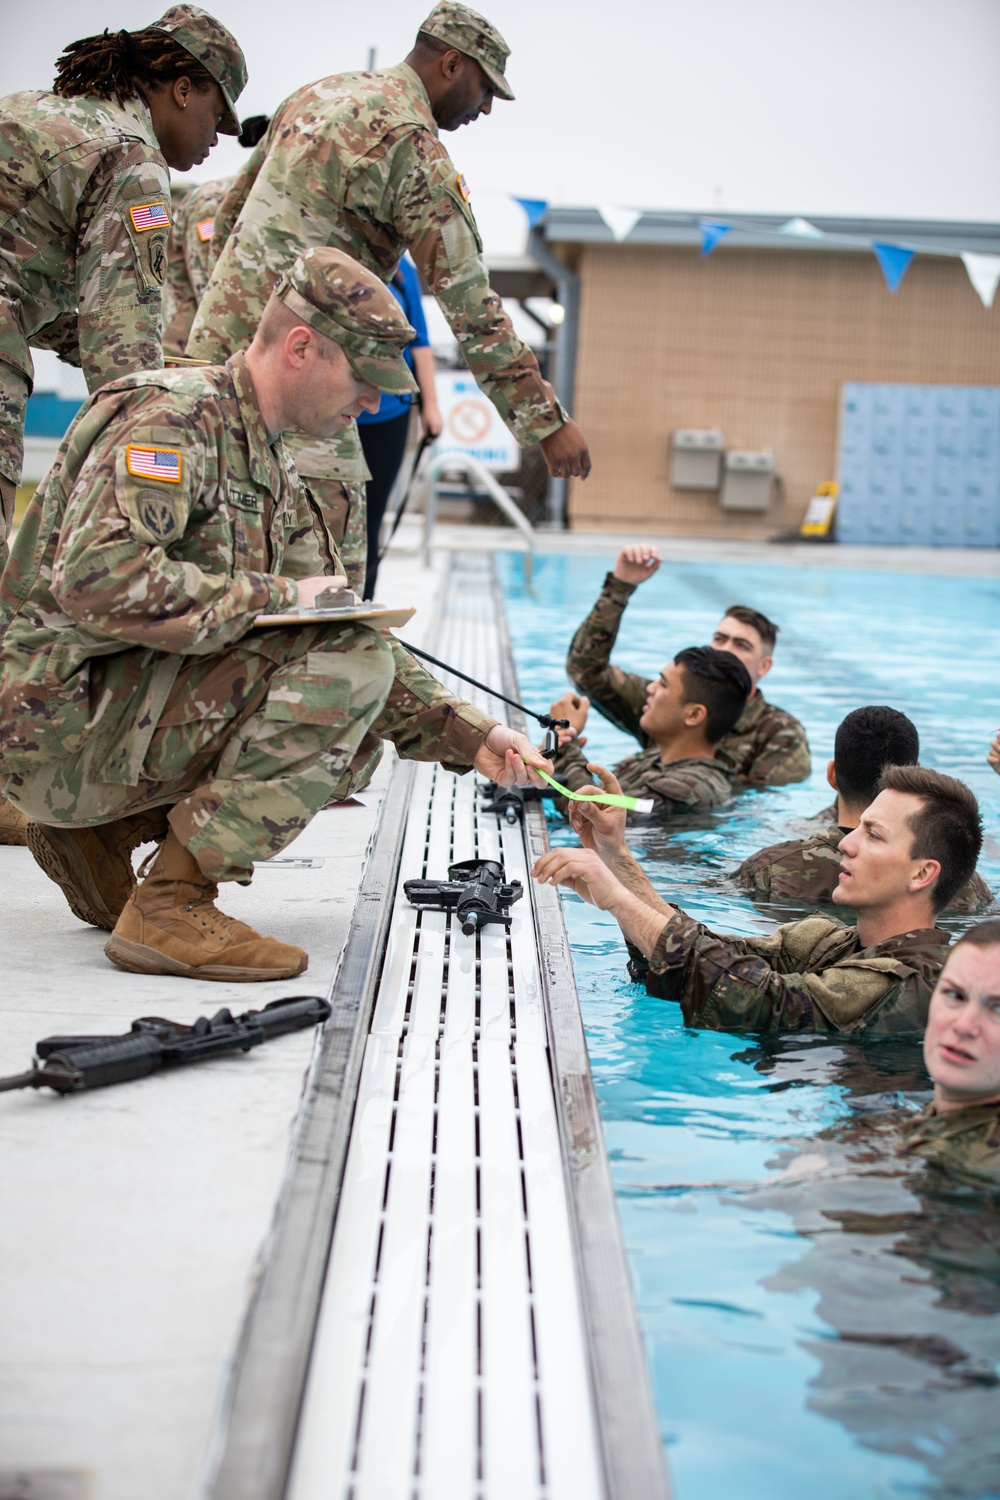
<point>755,340</point>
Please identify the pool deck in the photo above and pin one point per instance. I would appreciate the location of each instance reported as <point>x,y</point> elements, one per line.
<point>135,1217</point>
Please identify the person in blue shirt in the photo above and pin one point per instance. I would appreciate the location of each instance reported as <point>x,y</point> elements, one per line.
<point>383,433</point>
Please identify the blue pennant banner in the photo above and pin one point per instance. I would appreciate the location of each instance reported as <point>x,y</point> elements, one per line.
<point>711,234</point>
<point>894,260</point>
<point>534,208</point>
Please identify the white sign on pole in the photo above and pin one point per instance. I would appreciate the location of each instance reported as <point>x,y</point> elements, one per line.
<point>472,424</point>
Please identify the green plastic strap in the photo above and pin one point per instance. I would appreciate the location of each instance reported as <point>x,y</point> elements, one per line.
<point>610,799</point>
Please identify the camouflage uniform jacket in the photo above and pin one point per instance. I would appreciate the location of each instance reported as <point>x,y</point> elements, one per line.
<point>767,746</point>
<point>808,869</point>
<point>355,161</point>
<point>188,260</point>
<point>811,975</point>
<point>675,786</point>
<point>84,213</point>
<point>116,576</point>
<point>965,1142</point>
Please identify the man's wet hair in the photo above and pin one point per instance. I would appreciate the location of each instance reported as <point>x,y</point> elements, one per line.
<point>983,935</point>
<point>867,741</point>
<point>720,681</point>
<point>765,628</point>
<point>948,827</point>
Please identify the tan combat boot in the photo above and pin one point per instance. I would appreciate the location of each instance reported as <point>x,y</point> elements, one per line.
<point>93,866</point>
<point>13,824</point>
<point>171,925</point>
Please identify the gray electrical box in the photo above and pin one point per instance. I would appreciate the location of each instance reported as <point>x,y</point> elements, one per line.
<point>696,459</point>
<point>746,481</point>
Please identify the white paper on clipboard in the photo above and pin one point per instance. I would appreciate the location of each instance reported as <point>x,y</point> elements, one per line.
<point>361,614</point>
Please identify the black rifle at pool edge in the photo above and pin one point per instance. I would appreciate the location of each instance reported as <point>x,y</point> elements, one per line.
<point>70,1064</point>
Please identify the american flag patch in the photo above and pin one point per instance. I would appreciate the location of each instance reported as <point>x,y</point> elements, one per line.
<point>206,229</point>
<point>150,216</point>
<point>154,463</point>
<point>463,188</point>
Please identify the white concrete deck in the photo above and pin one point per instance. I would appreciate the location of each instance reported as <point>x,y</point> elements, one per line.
<point>133,1216</point>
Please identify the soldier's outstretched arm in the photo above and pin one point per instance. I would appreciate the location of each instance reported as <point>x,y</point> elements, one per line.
<point>619,695</point>
<point>432,216</point>
<point>121,265</point>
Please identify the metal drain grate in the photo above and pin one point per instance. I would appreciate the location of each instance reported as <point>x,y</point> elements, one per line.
<point>451,1355</point>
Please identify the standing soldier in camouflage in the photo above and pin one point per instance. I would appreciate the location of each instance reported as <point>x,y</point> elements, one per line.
<point>189,261</point>
<point>766,747</point>
<point>85,210</point>
<point>356,161</point>
<point>692,705</point>
<point>807,870</point>
<point>915,847</point>
<point>137,698</point>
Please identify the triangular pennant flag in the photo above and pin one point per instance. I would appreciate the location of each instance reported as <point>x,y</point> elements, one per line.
<point>621,221</point>
<point>984,273</point>
<point>803,228</point>
<point>534,208</point>
<point>711,234</point>
<point>894,260</point>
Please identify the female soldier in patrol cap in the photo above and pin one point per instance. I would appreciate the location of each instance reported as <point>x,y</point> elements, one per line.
<point>85,209</point>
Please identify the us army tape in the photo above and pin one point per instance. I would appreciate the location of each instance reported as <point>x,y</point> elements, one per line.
<point>609,799</point>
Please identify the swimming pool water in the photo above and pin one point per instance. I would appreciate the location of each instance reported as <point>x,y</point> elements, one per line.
<point>821,1318</point>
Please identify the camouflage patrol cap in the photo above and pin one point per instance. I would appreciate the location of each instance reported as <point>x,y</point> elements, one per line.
<point>333,294</point>
<point>472,34</point>
<point>218,51</point>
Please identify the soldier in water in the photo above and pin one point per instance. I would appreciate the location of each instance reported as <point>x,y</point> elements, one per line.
<point>766,746</point>
<point>915,846</point>
<point>807,870</point>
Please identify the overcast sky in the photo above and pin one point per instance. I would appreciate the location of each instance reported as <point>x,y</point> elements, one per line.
<point>881,107</point>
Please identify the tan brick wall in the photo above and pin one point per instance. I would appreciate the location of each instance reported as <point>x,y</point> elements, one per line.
<point>757,343</point>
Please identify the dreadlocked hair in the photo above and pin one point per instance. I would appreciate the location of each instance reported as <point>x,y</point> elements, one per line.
<point>120,64</point>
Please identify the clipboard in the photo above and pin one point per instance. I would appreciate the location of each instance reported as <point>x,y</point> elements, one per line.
<point>377,615</point>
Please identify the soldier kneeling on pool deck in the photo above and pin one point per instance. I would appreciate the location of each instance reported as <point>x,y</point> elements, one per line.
<point>765,747</point>
<point>692,705</point>
<point>915,846</point>
<point>138,701</point>
<point>808,869</point>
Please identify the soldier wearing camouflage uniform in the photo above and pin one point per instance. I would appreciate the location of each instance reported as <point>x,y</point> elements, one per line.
<point>766,747</point>
<point>697,699</point>
<point>189,244</point>
<point>188,261</point>
<point>85,202</point>
<point>917,845</point>
<point>85,208</point>
<point>136,697</point>
<point>356,161</point>
<point>807,870</point>
<point>960,1129</point>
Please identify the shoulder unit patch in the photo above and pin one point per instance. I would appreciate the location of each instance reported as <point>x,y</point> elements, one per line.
<point>154,463</point>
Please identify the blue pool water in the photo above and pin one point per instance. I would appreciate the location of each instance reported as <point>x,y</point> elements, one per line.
<point>821,1318</point>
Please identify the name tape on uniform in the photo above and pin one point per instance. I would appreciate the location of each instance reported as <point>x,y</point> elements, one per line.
<point>607,799</point>
<point>149,216</point>
<point>154,463</point>
<point>205,230</point>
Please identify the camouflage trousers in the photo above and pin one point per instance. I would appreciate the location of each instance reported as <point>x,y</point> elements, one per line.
<point>251,744</point>
<point>15,388</point>
<point>336,476</point>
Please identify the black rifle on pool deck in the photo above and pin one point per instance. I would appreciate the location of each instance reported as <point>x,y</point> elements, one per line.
<point>70,1064</point>
<point>476,891</point>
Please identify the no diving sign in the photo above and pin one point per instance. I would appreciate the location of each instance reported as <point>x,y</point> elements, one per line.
<point>472,425</point>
